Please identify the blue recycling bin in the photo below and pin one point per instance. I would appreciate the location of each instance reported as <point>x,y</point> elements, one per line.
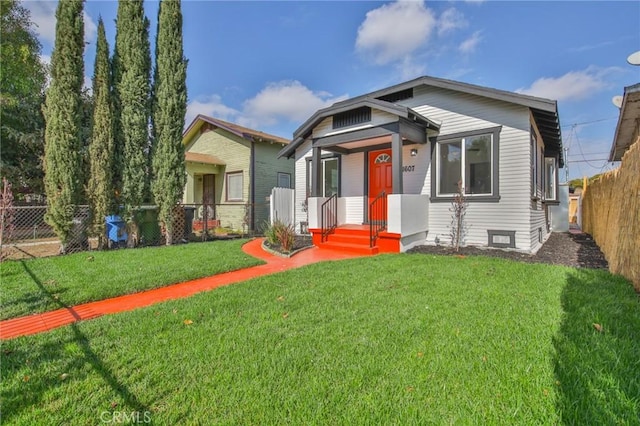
<point>116,229</point>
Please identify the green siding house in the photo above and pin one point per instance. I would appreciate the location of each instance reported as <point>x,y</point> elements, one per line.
<point>231,171</point>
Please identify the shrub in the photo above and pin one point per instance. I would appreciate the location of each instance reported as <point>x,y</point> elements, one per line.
<point>280,234</point>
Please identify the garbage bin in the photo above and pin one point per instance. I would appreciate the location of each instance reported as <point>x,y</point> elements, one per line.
<point>116,230</point>
<point>147,219</point>
<point>189,212</point>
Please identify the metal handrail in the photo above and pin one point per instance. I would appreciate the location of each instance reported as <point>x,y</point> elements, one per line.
<point>377,217</point>
<point>329,216</point>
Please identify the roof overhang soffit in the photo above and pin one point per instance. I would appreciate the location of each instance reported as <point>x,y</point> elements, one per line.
<point>628,126</point>
<point>413,132</point>
<point>549,128</point>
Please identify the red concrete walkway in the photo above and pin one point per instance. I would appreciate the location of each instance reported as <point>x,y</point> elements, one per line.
<point>38,323</point>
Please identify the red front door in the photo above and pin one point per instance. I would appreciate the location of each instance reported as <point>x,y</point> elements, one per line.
<point>380,176</point>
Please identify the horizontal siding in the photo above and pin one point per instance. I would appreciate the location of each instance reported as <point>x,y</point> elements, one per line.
<point>352,178</point>
<point>414,178</point>
<point>302,153</point>
<point>267,167</point>
<point>459,112</point>
<point>352,181</point>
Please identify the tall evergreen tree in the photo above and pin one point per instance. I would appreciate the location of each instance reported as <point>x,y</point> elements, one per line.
<point>131,73</point>
<point>169,108</point>
<point>100,188</point>
<point>63,118</point>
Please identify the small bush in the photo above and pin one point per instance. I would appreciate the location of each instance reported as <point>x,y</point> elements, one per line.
<point>280,234</point>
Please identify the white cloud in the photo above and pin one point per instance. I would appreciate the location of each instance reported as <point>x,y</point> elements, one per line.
<point>278,104</point>
<point>395,30</point>
<point>43,14</point>
<point>572,86</point>
<point>409,68</point>
<point>90,28</point>
<point>469,45</point>
<point>211,106</point>
<point>284,101</point>
<point>450,20</point>
<point>45,59</point>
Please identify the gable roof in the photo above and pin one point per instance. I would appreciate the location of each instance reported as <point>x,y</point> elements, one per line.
<point>627,122</point>
<point>545,111</point>
<point>348,105</point>
<point>236,129</point>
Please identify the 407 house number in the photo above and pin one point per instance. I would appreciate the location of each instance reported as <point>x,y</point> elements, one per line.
<point>406,169</point>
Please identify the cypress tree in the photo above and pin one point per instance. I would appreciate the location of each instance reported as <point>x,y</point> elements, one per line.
<point>101,150</point>
<point>132,67</point>
<point>63,118</point>
<point>169,108</point>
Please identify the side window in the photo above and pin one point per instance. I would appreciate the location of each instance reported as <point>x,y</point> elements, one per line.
<point>234,186</point>
<point>284,180</point>
<point>330,176</point>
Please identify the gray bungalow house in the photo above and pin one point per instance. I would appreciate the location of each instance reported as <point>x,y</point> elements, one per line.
<point>378,172</point>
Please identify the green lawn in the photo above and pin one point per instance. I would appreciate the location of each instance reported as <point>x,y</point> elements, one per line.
<point>40,285</point>
<point>393,339</point>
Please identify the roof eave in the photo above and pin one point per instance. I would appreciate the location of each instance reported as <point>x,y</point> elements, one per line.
<point>617,147</point>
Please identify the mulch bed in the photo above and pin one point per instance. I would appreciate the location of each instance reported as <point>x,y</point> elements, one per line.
<point>568,249</point>
<point>299,242</point>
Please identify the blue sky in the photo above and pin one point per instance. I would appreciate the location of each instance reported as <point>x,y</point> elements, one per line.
<point>270,65</point>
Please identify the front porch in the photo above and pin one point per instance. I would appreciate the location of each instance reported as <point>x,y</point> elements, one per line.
<point>402,225</point>
<point>366,182</point>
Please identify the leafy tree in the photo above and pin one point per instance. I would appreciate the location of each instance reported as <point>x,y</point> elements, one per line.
<point>100,187</point>
<point>169,108</point>
<point>22,80</point>
<point>63,117</point>
<point>131,74</point>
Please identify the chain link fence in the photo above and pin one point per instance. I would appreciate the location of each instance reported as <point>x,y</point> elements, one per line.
<point>24,232</point>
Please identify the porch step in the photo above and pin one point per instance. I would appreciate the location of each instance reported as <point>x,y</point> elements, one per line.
<point>350,247</point>
<point>358,230</point>
<point>350,238</point>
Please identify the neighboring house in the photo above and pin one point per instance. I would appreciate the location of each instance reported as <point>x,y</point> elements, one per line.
<point>232,169</point>
<point>628,128</point>
<point>393,159</point>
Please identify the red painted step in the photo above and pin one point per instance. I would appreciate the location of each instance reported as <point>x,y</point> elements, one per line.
<point>349,247</point>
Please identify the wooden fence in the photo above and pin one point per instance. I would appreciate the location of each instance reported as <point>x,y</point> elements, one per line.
<point>611,214</point>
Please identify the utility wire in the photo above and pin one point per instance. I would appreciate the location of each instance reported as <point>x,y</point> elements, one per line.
<point>582,153</point>
<point>589,122</point>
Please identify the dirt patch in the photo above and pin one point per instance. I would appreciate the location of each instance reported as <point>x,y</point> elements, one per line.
<point>568,249</point>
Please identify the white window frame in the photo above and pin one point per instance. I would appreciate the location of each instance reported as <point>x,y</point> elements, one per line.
<point>282,175</point>
<point>534,164</point>
<point>228,176</point>
<point>463,167</point>
<point>323,161</point>
<point>553,185</point>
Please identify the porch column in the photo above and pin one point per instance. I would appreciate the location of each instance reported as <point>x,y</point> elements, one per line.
<point>396,163</point>
<point>316,173</point>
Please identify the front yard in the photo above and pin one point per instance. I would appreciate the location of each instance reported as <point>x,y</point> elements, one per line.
<point>40,285</point>
<point>392,339</point>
